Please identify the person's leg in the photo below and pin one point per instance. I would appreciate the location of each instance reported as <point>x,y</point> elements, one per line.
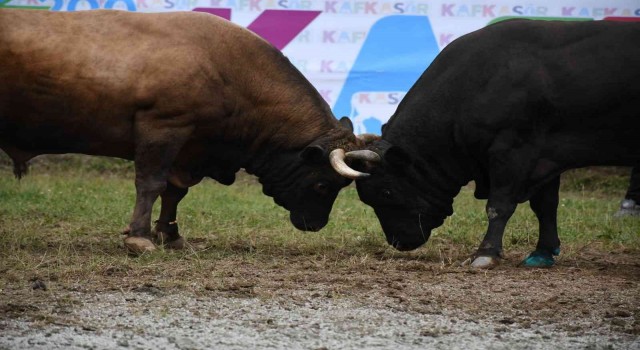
<point>630,205</point>
<point>633,192</point>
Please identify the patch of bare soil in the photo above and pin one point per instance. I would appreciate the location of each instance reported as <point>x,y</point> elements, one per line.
<point>588,302</point>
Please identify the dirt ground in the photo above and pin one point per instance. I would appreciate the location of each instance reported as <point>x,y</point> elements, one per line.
<point>591,301</point>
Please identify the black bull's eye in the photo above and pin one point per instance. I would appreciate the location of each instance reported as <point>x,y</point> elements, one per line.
<point>321,187</point>
<point>386,193</point>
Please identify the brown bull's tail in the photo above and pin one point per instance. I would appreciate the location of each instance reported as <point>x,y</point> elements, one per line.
<point>20,169</point>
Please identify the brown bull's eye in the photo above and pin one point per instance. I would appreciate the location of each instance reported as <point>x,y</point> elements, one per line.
<point>321,187</point>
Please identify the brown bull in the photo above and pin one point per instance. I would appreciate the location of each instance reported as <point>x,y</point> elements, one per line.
<point>184,95</point>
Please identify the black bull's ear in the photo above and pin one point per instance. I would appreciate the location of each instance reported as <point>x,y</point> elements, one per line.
<point>368,160</point>
<point>397,157</point>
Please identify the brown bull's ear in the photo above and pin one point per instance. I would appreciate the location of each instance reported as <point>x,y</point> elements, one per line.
<point>346,123</point>
<point>314,154</point>
<point>368,138</point>
<point>397,157</point>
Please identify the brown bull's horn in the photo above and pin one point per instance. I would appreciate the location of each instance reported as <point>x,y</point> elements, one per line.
<point>364,154</point>
<point>336,157</point>
<point>368,138</point>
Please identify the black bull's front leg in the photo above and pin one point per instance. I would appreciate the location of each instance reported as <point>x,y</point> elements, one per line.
<point>507,171</point>
<point>499,210</point>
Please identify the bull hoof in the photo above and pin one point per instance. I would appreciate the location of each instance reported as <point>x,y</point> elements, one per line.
<point>165,240</point>
<point>138,245</point>
<point>485,262</point>
<point>178,244</point>
<point>540,259</point>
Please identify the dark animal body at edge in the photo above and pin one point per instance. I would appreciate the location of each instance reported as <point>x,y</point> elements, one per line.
<point>510,106</point>
<point>185,95</point>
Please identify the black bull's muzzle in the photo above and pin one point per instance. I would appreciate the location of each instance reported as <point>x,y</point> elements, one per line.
<point>406,231</point>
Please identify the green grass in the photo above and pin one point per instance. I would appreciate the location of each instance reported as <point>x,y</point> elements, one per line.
<point>65,218</point>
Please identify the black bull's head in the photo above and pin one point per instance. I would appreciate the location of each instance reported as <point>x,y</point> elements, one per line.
<point>407,209</point>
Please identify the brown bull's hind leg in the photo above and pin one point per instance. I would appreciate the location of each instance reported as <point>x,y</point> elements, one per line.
<point>166,229</point>
<point>156,150</point>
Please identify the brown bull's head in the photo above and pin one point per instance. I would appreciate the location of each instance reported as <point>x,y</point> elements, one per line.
<point>307,182</point>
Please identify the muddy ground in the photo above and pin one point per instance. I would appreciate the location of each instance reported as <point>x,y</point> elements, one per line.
<point>589,301</point>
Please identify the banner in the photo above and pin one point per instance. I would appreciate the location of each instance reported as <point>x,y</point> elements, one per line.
<point>362,56</point>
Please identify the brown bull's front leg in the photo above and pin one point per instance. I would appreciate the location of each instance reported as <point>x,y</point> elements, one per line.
<point>155,152</point>
<point>166,229</point>
<point>138,239</point>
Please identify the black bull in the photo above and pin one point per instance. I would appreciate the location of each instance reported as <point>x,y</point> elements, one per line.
<point>184,95</point>
<point>511,107</point>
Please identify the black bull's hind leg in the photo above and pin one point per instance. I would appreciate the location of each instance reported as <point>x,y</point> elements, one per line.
<point>545,205</point>
<point>166,229</point>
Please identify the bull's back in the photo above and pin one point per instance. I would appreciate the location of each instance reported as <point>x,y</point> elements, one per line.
<point>74,82</point>
<point>574,65</point>
<point>574,86</point>
<point>579,87</point>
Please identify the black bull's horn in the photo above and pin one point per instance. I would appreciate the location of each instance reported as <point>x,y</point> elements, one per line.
<point>337,160</point>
